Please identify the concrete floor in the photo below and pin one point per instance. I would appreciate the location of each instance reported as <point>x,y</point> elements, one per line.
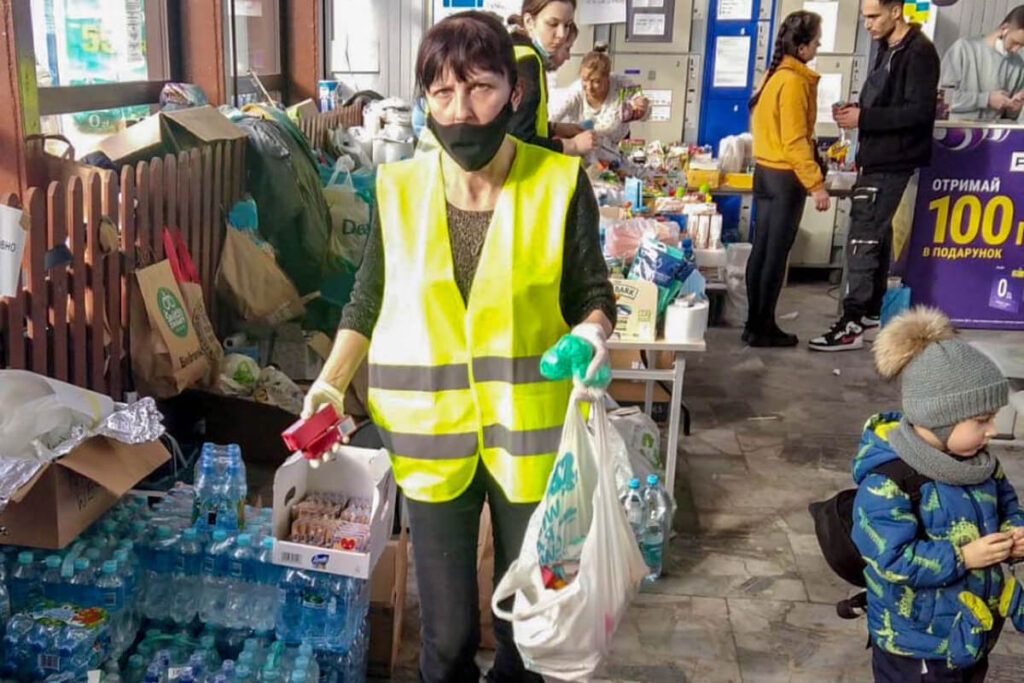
<point>747,596</point>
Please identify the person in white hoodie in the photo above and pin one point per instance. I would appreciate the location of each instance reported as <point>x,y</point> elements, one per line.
<point>986,73</point>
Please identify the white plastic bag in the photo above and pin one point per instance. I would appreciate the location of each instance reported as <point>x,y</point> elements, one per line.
<point>566,633</point>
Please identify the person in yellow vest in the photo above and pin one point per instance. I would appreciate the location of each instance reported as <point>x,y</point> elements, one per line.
<point>483,254</point>
<point>541,31</point>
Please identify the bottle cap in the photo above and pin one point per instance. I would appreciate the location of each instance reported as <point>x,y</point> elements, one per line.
<point>244,540</point>
<point>53,562</point>
<point>652,479</point>
<point>82,563</point>
<point>634,483</point>
<point>267,542</point>
<point>163,531</point>
<point>190,534</point>
<point>220,535</point>
<point>25,557</point>
<point>110,567</point>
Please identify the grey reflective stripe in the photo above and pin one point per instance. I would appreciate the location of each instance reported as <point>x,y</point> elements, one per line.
<point>539,442</point>
<point>431,446</point>
<point>511,370</point>
<point>419,377</point>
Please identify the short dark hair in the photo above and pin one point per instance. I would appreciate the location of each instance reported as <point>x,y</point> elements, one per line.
<point>466,42</point>
<point>1015,19</point>
<point>891,3</point>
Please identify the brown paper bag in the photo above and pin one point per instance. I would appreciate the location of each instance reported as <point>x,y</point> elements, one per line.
<point>166,355</point>
<point>485,579</point>
<point>250,279</point>
<point>187,276</point>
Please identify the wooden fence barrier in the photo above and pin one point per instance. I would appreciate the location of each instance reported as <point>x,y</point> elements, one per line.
<point>318,128</point>
<point>70,321</point>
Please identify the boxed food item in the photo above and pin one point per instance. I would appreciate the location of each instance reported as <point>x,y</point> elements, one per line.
<point>68,494</point>
<point>344,504</point>
<point>637,304</point>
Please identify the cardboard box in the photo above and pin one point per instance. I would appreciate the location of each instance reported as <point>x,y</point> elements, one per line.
<point>632,391</point>
<point>354,472</point>
<point>306,109</point>
<point>387,606</point>
<point>637,303</point>
<point>69,494</point>
<point>169,132</point>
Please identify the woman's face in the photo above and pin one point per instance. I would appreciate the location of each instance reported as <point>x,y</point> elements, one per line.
<point>596,83</point>
<point>477,100</point>
<point>808,52</point>
<point>550,27</point>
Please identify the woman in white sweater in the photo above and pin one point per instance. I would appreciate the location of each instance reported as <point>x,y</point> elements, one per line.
<point>986,73</point>
<point>603,101</point>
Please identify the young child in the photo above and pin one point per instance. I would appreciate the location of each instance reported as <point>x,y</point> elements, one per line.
<point>934,573</point>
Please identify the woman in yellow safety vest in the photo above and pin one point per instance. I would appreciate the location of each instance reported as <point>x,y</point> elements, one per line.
<point>543,29</point>
<point>483,254</point>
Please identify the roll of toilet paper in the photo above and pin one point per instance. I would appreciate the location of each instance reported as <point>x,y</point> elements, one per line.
<point>686,322</point>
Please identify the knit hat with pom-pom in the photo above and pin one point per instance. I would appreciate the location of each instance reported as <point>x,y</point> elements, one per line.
<point>945,381</point>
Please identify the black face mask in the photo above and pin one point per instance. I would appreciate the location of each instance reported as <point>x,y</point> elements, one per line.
<point>471,145</point>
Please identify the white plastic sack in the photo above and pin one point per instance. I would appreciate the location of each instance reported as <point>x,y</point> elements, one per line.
<point>566,633</point>
<point>642,439</point>
<point>34,408</point>
<point>736,304</point>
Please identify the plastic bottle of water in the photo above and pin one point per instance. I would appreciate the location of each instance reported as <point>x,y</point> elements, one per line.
<point>241,566</point>
<point>211,610</point>
<point>136,669</point>
<point>23,584</point>
<point>82,586</point>
<point>204,511</point>
<point>197,662</point>
<point>244,674</point>
<point>264,597</point>
<point>271,674</point>
<point>656,527</point>
<point>314,608</point>
<point>636,512</point>
<point>230,500</point>
<point>159,590</point>
<point>153,674</point>
<point>289,622</point>
<point>111,589</point>
<point>188,560</point>
<point>51,580</point>
<point>227,669</point>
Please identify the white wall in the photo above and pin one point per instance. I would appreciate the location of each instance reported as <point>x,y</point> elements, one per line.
<point>373,43</point>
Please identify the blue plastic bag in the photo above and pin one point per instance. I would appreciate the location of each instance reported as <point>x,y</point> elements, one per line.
<point>895,302</point>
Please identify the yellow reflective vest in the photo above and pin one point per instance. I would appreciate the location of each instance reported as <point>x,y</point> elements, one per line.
<point>454,382</point>
<point>523,53</point>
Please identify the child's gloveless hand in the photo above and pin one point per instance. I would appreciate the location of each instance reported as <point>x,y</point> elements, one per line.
<point>988,550</point>
<point>1018,543</point>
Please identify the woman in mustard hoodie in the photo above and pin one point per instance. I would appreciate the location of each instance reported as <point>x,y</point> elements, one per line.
<point>783,116</point>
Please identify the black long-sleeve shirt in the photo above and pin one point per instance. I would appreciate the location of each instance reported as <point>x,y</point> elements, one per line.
<point>584,289</point>
<point>524,121</point>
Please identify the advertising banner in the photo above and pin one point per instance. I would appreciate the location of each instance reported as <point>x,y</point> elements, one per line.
<point>966,253</point>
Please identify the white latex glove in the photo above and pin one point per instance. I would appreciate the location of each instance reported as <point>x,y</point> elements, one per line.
<point>322,393</point>
<point>593,334</point>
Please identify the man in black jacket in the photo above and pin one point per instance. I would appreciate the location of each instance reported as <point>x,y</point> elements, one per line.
<point>896,116</point>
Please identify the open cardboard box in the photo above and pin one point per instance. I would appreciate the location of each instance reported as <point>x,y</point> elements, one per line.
<point>169,132</point>
<point>354,472</point>
<point>69,494</point>
<point>387,605</point>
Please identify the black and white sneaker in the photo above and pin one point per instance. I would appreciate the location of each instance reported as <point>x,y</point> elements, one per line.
<point>845,335</point>
<point>870,322</point>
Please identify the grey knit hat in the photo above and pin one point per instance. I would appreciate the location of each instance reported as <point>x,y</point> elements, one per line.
<point>945,380</point>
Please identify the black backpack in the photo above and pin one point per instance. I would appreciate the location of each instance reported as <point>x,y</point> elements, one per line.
<point>833,524</point>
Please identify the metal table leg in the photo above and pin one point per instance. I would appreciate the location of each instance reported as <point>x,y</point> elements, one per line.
<point>675,404</point>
